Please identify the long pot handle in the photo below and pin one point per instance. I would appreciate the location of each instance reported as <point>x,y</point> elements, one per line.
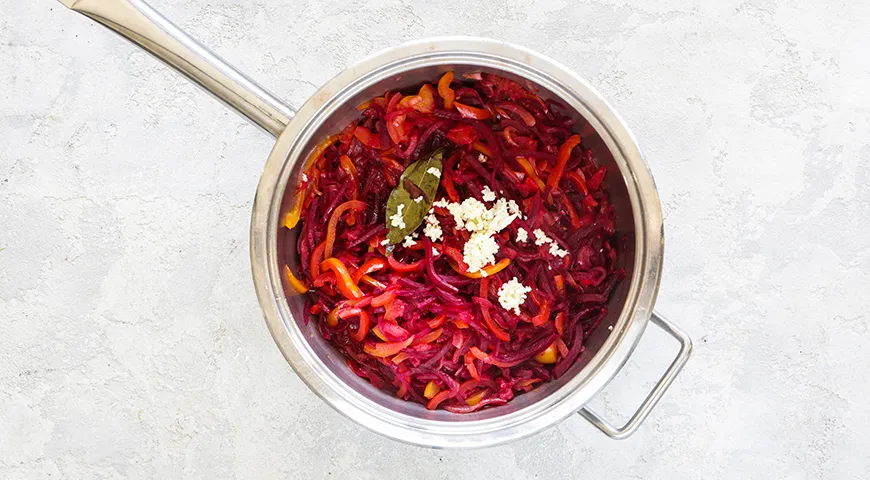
<point>136,21</point>
<point>655,395</point>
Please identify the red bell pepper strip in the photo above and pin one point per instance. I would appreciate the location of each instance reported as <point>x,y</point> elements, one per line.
<point>467,111</point>
<point>362,328</point>
<point>562,160</point>
<point>371,265</point>
<point>404,267</point>
<point>463,134</point>
<point>496,330</point>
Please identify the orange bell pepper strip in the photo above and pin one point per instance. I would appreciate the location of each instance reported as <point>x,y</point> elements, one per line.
<point>346,286</point>
<point>429,337</point>
<point>467,111</point>
<point>559,323</point>
<point>469,365</point>
<point>400,357</point>
<point>445,92</point>
<point>559,280</point>
<point>383,299</point>
<point>294,282</point>
<point>386,349</point>
<point>427,99</point>
<point>371,265</point>
<point>352,205</point>
<point>481,148</point>
<point>367,138</point>
<point>561,161</point>
<point>332,317</point>
<point>437,321</point>
<point>530,171</point>
<point>490,270</point>
<point>437,399</point>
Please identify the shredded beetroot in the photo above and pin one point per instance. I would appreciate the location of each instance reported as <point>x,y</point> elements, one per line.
<point>415,321</point>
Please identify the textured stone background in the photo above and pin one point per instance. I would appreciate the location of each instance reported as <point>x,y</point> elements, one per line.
<point>131,342</point>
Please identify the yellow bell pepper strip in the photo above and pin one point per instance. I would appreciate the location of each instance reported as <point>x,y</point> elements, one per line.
<point>445,92</point>
<point>291,218</point>
<point>431,389</point>
<point>372,282</point>
<point>345,283</point>
<point>400,357</point>
<point>386,349</point>
<point>378,333</point>
<point>467,111</point>
<point>294,282</point>
<point>548,356</point>
<point>561,161</point>
<point>352,205</point>
<point>476,398</point>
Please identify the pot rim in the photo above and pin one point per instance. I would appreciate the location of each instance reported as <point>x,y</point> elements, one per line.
<point>628,329</point>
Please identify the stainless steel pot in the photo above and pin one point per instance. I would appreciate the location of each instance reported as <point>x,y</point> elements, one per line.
<point>633,193</point>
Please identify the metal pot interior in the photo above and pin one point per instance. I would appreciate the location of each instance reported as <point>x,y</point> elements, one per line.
<point>409,81</point>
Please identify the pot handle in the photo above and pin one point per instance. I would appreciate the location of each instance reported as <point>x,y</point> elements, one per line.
<point>655,395</point>
<point>136,21</point>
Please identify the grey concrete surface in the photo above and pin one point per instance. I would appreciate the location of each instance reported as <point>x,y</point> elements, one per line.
<point>131,342</point>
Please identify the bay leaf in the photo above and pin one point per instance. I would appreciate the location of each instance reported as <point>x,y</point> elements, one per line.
<point>423,186</point>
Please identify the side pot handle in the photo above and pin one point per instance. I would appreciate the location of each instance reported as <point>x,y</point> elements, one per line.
<point>136,21</point>
<point>655,395</point>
